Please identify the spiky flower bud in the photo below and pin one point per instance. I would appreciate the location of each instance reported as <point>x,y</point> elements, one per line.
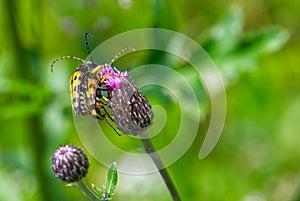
<point>69,163</point>
<point>131,110</point>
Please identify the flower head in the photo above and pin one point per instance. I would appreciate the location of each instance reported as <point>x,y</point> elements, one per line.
<point>69,163</point>
<point>131,110</point>
<point>114,79</point>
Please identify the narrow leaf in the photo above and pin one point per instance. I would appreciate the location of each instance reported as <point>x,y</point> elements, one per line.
<point>74,185</point>
<point>265,40</point>
<point>97,190</point>
<point>111,181</point>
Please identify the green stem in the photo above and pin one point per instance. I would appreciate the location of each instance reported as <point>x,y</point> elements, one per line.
<point>160,166</point>
<point>87,192</point>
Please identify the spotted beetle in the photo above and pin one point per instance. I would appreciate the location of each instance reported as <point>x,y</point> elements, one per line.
<point>86,87</point>
<point>83,85</point>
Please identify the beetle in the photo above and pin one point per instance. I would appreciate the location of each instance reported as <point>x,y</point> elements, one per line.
<point>86,87</point>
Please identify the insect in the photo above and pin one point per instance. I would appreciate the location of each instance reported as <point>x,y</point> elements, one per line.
<point>83,85</point>
<point>101,79</point>
<point>86,87</point>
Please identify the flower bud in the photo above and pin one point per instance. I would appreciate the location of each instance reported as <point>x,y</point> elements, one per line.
<point>69,163</point>
<point>130,108</point>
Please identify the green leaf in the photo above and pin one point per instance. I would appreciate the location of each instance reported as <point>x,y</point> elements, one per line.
<point>163,17</point>
<point>255,44</point>
<point>225,35</point>
<point>22,88</point>
<point>19,109</point>
<point>74,185</point>
<point>264,41</point>
<point>235,51</point>
<point>97,190</point>
<point>111,181</point>
<point>21,98</point>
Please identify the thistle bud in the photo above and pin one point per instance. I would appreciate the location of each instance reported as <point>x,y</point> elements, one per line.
<point>69,163</point>
<point>131,110</point>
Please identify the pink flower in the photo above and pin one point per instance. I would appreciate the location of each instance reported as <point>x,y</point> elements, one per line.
<point>114,80</point>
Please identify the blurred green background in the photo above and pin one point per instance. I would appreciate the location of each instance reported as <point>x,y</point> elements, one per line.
<point>255,44</point>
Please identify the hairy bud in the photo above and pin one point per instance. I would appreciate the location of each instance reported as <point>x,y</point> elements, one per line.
<point>69,163</point>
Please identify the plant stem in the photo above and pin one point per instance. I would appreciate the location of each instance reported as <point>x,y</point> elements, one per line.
<point>160,166</point>
<point>87,192</point>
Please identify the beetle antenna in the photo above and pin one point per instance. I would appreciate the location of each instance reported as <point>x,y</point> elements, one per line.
<point>65,57</point>
<point>87,44</point>
<point>120,53</point>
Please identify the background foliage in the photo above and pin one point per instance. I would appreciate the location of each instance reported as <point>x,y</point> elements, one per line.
<point>257,157</point>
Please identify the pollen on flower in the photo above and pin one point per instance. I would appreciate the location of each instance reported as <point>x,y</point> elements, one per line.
<point>114,79</point>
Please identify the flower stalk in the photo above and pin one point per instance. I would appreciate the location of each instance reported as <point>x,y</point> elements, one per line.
<point>160,166</point>
<point>87,192</point>
<point>133,115</point>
